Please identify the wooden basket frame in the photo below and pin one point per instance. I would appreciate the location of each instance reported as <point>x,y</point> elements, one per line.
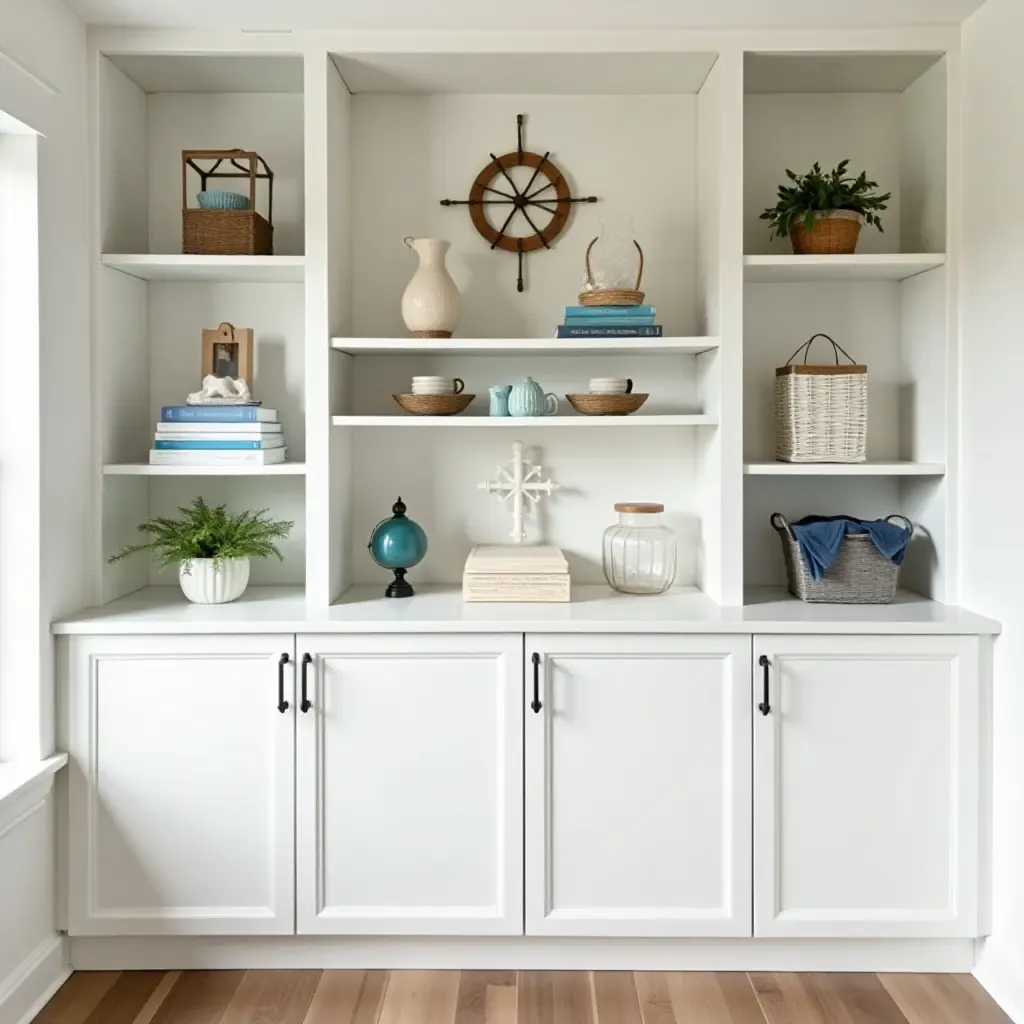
<point>258,169</point>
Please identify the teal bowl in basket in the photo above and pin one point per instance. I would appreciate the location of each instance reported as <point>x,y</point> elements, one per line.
<point>218,199</point>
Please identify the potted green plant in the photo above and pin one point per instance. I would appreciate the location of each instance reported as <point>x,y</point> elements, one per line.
<point>211,548</point>
<point>823,212</point>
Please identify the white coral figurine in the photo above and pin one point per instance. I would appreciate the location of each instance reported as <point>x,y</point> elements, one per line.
<point>227,389</point>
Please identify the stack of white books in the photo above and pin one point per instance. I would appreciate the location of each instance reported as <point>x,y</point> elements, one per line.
<point>516,572</point>
<point>217,435</point>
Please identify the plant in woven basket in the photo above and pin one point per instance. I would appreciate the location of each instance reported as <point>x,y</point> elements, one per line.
<point>209,532</point>
<point>818,194</point>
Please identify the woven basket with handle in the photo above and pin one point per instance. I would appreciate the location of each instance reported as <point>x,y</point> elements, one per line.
<point>612,296</point>
<point>861,574</point>
<point>226,232</point>
<point>821,411</point>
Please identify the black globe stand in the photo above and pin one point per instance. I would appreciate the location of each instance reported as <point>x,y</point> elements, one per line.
<point>399,586</point>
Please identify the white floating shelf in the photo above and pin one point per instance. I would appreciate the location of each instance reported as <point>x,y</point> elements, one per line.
<point>178,267</point>
<point>861,267</point>
<point>513,346</point>
<point>870,468</point>
<point>519,422</point>
<point>145,469</point>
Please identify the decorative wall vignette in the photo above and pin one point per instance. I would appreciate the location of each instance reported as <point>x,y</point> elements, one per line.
<point>557,205</point>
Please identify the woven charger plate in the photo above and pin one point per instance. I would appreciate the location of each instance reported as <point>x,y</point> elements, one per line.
<point>606,405</point>
<point>434,405</point>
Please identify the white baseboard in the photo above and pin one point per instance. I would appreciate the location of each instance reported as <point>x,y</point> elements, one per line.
<point>31,986</point>
<point>1001,974</point>
<point>365,952</point>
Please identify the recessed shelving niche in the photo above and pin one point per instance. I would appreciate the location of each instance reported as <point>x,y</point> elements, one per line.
<point>889,305</point>
<point>152,302</point>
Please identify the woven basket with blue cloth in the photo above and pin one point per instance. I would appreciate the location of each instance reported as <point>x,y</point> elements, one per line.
<point>842,560</point>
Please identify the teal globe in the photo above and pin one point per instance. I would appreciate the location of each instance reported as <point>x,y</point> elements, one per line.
<point>398,544</point>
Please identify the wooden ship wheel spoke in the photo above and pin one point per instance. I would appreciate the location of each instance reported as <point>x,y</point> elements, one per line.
<point>524,203</point>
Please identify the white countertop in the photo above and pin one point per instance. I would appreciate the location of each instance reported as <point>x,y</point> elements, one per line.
<point>440,609</point>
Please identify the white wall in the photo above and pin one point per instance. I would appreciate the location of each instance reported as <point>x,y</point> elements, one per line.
<point>43,83</point>
<point>992,366</point>
<point>635,153</point>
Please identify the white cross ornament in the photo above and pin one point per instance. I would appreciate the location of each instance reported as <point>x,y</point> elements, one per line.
<point>517,482</point>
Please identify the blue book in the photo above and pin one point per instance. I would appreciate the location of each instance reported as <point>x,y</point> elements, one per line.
<point>571,312</point>
<point>217,414</point>
<point>610,321</point>
<point>609,332</point>
<point>220,446</point>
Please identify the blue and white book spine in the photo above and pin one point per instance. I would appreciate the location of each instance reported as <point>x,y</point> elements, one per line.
<point>242,428</point>
<point>224,446</point>
<point>219,458</point>
<point>571,312</point>
<point>217,414</point>
<point>609,332</point>
<point>609,321</point>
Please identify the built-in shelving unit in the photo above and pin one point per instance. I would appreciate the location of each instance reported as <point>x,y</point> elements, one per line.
<point>717,127</point>
<point>859,267</point>
<point>523,346</point>
<point>145,469</point>
<point>521,422</point>
<point>872,468</point>
<point>225,269</point>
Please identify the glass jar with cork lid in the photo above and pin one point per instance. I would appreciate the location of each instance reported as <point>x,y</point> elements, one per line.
<point>639,551</point>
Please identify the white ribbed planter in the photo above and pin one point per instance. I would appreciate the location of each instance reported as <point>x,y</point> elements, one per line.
<point>214,581</point>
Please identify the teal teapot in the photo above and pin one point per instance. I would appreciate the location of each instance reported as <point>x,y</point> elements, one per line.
<point>528,399</point>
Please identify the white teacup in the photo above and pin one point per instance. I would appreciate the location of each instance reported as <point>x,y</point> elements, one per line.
<point>437,385</point>
<point>610,385</point>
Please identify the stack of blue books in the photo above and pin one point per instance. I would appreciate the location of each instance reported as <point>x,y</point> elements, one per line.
<point>217,435</point>
<point>609,322</point>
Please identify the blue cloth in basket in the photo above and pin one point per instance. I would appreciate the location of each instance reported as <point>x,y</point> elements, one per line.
<point>821,537</point>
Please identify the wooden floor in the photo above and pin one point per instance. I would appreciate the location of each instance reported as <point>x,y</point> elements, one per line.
<point>505,997</point>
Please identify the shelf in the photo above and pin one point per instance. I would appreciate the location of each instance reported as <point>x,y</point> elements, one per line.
<point>525,421</point>
<point>863,267</point>
<point>440,609</point>
<point>178,267</point>
<point>870,468</point>
<point>514,346</point>
<point>145,469</point>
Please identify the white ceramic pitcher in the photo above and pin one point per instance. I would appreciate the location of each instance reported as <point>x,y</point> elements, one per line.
<point>431,305</point>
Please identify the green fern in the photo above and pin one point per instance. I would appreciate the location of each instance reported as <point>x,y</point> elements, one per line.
<point>816,192</point>
<point>209,531</point>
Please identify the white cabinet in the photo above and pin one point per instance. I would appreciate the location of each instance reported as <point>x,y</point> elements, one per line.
<point>638,787</point>
<point>409,782</point>
<point>866,786</point>
<point>181,785</point>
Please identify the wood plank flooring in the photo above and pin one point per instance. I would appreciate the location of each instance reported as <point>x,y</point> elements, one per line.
<point>510,997</point>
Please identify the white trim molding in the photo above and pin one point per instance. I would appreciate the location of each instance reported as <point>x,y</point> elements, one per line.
<point>24,786</point>
<point>1001,974</point>
<point>33,984</point>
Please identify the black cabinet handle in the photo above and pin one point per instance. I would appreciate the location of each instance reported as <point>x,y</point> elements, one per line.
<point>306,702</point>
<point>765,706</point>
<point>535,704</point>
<point>282,704</point>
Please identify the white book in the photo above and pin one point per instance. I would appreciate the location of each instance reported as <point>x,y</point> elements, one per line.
<point>266,440</point>
<point>219,457</point>
<point>233,430</point>
<point>516,559</point>
<point>531,587</point>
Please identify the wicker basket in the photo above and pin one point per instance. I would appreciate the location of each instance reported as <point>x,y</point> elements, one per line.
<point>226,232</point>
<point>821,412</point>
<point>833,234</point>
<point>861,574</point>
<point>612,296</point>
<point>606,405</point>
<point>433,405</point>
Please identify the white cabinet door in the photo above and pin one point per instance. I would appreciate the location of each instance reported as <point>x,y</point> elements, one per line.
<point>638,792</point>
<point>866,786</point>
<point>410,805</point>
<point>182,785</point>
